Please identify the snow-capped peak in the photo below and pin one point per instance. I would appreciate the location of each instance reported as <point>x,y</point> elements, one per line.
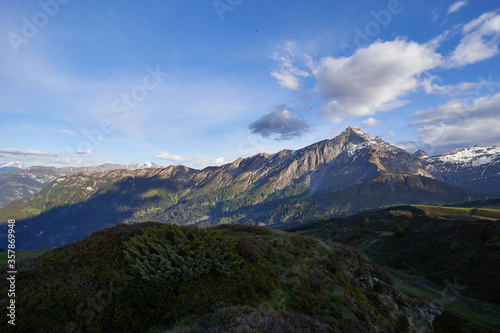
<point>354,130</point>
<point>145,165</point>
<point>476,156</point>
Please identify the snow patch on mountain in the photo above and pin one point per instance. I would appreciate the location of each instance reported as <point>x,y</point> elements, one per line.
<point>470,156</point>
<point>146,165</point>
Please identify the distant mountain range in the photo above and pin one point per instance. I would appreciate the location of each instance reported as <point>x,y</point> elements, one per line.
<point>17,182</point>
<point>11,166</point>
<point>350,173</point>
<point>474,168</point>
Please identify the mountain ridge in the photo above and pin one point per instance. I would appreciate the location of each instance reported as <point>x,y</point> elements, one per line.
<point>343,175</point>
<point>21,182</point>
<point>11,166</point>
<point>475,168</point>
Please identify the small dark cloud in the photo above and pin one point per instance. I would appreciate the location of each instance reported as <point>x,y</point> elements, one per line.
<point>280,122</point>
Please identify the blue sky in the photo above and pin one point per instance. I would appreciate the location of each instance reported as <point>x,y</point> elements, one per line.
<point>204,82</point>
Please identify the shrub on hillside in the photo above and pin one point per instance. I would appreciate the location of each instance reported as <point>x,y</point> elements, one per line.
<point>169,254</point>
<point>399,231</point>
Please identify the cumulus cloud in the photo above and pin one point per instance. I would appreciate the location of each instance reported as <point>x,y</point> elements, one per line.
<point>169,157</point>
<point>287,74</point>
<point>371,122</point>
<point>280,122</point>
<point>455,7</point>
<point>373,79</point>
<point>459,123</point>
<point>480,41</point>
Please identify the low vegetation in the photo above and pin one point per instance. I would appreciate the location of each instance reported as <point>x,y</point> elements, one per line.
<point>19,255</point>
<point>446,256</point>
<point>156,277</point>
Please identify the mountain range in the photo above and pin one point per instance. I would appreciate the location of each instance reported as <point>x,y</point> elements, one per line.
<point>350,173</point>
<point>11,166</point>
<point>17,182</point>
<point>474,168</point>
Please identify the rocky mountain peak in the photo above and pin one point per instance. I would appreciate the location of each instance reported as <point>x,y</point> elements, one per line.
<point>421,154</point>
<point>355,132</point>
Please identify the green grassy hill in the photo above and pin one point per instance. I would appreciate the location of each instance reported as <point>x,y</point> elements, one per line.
<point>448,256</point>
<point>155,277</point>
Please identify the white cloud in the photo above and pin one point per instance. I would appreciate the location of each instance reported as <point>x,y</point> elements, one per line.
<point>204,161</point>
<point>287,73</point>
<point>458,123</point>
<point>373,79</point>
<point>195,161</point>
<point>480,41</point>
<point>461,88</point>
<point>455,7</point>
<point>31,157</point>
<point>83,152</point>
<point>371,122</point>
<point>220,160</point>
<point>390,135</point>
<point>286,79</point>
<point>170,157</point>
<point>25,152</point>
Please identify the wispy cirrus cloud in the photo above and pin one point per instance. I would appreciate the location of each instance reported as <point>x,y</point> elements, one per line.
<point>455,7</point>
<point>433,88</point>
<point>170,157</point>
<point>287,73</point>
<point>480,41</point>
<point>25,152</point>
<point>37,157</point>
